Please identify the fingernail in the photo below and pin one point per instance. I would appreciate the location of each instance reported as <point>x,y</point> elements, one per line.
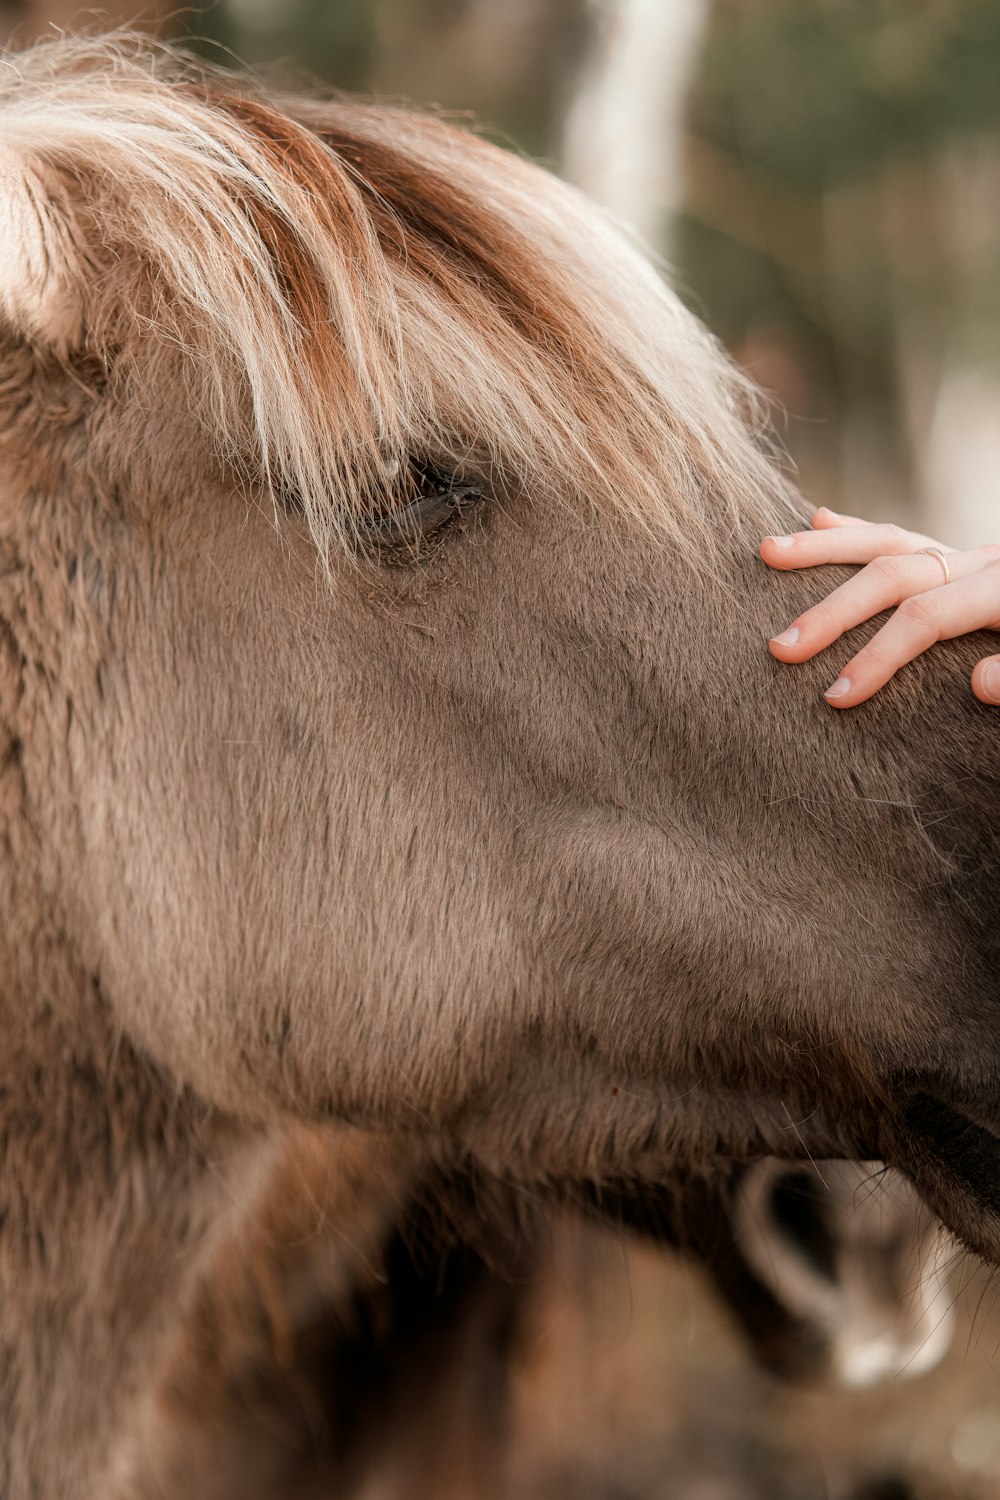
<point>787,637</point>
<point>782,541</point>
<point>839,689</point>
<point>990,680</point>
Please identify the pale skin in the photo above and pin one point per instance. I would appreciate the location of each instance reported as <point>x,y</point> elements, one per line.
<point>895,575</point>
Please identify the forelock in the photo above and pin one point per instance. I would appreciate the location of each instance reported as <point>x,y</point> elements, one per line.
<point>356,288</point>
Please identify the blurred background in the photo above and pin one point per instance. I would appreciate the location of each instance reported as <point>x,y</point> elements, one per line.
<point>823,179</point>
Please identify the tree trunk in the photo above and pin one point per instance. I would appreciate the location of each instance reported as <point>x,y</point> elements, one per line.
<point>622,141</point>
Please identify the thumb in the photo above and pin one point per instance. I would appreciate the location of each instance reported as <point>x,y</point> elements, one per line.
<point>986,680</point>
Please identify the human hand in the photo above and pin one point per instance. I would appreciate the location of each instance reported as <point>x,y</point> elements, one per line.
<point>935,603</point>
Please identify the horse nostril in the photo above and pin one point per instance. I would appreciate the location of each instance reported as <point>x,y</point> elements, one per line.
<point>804,1218</point>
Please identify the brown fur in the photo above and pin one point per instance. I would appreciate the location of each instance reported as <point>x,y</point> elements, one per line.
<point>522,853</point>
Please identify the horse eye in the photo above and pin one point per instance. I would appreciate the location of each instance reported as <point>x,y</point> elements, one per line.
<point>425,501</point>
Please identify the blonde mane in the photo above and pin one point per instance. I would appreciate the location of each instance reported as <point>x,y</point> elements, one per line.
<point>353,288</point>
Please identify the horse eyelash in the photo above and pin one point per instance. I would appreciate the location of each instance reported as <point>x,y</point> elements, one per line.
<point>424,490</point>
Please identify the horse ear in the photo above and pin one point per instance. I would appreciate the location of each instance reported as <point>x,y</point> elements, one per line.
<point>44,262</point>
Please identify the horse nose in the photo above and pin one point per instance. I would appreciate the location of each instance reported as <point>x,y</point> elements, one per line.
<point>880,1338</point>
<point>851,1252</point>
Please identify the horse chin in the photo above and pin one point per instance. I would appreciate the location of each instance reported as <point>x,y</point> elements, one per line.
<point>952,1157</point>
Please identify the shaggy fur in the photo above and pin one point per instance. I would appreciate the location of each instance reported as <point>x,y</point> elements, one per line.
<point>386,734</point>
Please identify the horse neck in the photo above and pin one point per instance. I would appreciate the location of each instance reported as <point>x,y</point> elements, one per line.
<point>106,1198</point>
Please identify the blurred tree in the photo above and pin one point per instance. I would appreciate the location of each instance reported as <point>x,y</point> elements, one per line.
<point>622,136</point>
<point>842,160</point>
<point>513,63</point>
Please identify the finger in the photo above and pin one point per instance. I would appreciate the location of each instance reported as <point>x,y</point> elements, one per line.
<point>842,544</point>
<point>986,680</point>
<point>881,585</point>
<point>825,518</point>
<point>969,604</point>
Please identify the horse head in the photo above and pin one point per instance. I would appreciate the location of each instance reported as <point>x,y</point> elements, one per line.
<point>387,732</point>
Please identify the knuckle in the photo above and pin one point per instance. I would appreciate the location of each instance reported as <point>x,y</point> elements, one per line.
<point>881,656</point>
<point>886,569</point>
<point>920,609</point>
<point>823,616</point>
<point>898,539</point>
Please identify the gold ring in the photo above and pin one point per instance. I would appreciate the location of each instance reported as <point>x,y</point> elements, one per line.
<point>937,553</point>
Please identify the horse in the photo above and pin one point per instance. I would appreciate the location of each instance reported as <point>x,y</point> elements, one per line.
<point>388,744</point>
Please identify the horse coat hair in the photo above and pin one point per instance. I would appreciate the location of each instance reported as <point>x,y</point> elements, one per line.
<point>386,734</point>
